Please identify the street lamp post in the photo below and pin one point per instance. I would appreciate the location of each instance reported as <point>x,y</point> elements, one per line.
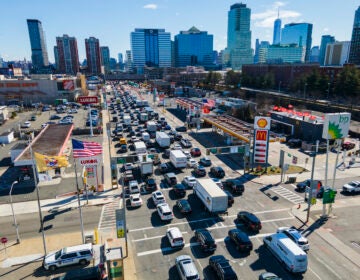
<point>13,213</point>
<point>305,89</point>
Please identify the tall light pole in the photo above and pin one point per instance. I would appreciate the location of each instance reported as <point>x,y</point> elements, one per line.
<point>305,89</point>
<point>13,213</point>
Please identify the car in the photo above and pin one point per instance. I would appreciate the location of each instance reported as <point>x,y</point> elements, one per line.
<point>195,152</point>
<point>176,147</point>
<point>222,267</point>
<point>164,212</point>
<point>170,179</point>
<point>217,171</point>
<point>80,254</point>
<point>351,187</point>
<point>44,125</point>
<point>268,276</point>
<point>123,148</point>
<point>167,127</point>
<point>189,181</point>
<point>33,118</point>
<point>72,111</point>
<point>166,153</point>
<point>150,184</point>
<point>26,124</point>
<point>295,236</point>
<point>179,190</point>
<point>178,137</point>
<point>128,166</point>
<point>230,198</point>
<point>186,268</point>
<point>135,200</point>
<point>205,161</point>
<point>218,182</point>
<point>234,185</point>
<point>301,186</point>
<point>346,146</point>
<point>191,163</point>
<point>158,197</point>
<point>175,237</point>
<point>164,167</point>
<point>186,143</point>
<point>241,240</point>
<point>184,206</point>
<point>187,154</point>
<point>181,129</point>
<point>207,242</point>
<point>55,117</point>
<point>45,109</point>
<point>294,143</point>
<point>134,187</point>
<point>249,220</point>
<point>199,171</point>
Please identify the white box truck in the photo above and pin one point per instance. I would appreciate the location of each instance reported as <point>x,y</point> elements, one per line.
<point>163,139</point>
<point>214,198</point>
<point>127,120</point>
<point>287,252</point>
<point>178,159</point>
<point>146,168</point>
<point>140,147</point>
<point>145,136</point>
<point>151,126</point>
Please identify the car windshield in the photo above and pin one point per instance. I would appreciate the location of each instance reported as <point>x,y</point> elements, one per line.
<point>57,254</point>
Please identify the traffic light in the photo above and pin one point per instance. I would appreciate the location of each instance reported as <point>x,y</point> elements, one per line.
<point>329,196</point>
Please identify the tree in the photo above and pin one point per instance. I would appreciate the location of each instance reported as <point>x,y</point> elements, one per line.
<point>232,78</point>
<point>348,82</point>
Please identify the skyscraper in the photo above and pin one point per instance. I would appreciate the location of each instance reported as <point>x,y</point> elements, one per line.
<point>325,39</point>
<point>314,54</point>
<point>93,58</point>
<point>120,58</point>
<point>300,34</point>
<point>193,47</point>
<point>277,31</point>
<point>105,58</point>
<point>128,61</point>
<point>150,47</point>
<point>39,55</point>
<point>337,53</point>
<point>354,56</point>
<point>258,46</point>
<point>239,50</point>
<point>66,54</point>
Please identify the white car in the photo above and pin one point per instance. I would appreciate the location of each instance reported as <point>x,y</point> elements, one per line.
<point>189,181</point>
<point>187,154</point>
<point>295,236</point>
<point>164,212</point>
<point>192,163</point>
<point>135,200</point>
<point>44,125</point>
<point>158,197</point>
<point>26,124</point>
<point>177,147</point>
<point>134,187</point>
<point>128,166</point>
<point>175,237</point>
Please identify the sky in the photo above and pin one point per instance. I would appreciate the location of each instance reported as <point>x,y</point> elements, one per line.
<point>112,21</point>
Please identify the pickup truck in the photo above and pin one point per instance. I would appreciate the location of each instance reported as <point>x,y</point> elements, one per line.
<point>352,187</point>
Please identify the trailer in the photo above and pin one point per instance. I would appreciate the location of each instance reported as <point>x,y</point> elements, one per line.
<point>146,168</point>
<point>178,159</point>
<point>140,147</point>
<point>214,198</point>
<point>163,139</point>
<point>151,126</point>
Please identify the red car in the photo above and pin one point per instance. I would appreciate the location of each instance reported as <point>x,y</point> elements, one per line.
<point>195,152</point>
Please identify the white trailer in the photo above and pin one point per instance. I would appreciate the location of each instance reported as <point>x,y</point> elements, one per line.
<point>214,198</point>
<point>163,139</point>
<point>146,168</point>
<point>178,159</point>
<point>140,147</point>
<point>145,136</point>
<point>151,126</point>
<point>287,252</point>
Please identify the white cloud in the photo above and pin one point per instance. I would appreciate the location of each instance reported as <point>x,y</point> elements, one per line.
<point>266,19</point>
<point>326,29</point>
<point>150,6</point>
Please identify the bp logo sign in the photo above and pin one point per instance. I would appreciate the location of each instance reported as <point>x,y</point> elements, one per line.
<point>336,126</point>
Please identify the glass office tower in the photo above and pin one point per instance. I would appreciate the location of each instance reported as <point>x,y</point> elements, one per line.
<point>277,32</point>
<point>194,47</point>
<point>105,58</point>
<point>300,34</point>
<point>39,55</point>
<point>354,56</point>
<point>325,39</point>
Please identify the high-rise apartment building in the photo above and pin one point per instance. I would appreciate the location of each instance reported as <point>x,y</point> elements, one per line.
<point>298,33</point>
<point>337,53</point>
<point>128,61</point>
<point>92,47</point>
<point>193,47</point>
<point>238,50</point>
<point>150,47</point>
<point>120,58</point>
<point>354,56</point>
<point>66,55</point>
<point>325,39</point>
<point>39,55</point>
<point>277,31</point>
<point>105,58</point>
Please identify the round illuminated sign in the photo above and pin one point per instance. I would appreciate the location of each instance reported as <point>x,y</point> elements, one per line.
<point>262,123</point>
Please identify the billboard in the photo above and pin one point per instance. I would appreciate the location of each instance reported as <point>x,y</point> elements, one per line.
<point>261,136</point>
<point>87,99</point>
<point>69,84</point>
<point>262,122</point>
<point>336,126</point>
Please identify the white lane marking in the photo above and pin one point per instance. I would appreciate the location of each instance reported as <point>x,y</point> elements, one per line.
<point>314,272</point>
<point>101,216</point>
<point>329,268</point>
<point>154,237</point>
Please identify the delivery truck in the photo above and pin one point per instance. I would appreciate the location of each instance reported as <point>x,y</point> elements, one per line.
<point>146,168</point>
<point>214,198</point>
<point>163,140</point>
<point>287,252</point>
<point>140,147</point>
<point>144,117</point>
<point>178,159</point>
<point>151,126</point>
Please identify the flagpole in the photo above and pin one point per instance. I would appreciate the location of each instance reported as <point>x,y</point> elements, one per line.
<point>38,198</point>
<point>78,199</point>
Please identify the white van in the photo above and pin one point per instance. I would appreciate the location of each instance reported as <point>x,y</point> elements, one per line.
<point>175,237</point>
<point>145,136</point>
<point>287,252</point>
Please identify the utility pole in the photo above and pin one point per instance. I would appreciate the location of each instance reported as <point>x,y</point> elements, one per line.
<point>311,180</point>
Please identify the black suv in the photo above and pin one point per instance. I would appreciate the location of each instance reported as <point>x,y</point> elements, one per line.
<point>222,268</point>
<point>179,189</point>
<point>170,179</point>
<point>241,240</point>
<point>234,185</point>
<point>150,185</point>
<point>164,167</point>
<point>249,220</point>
<point>199,171</point>
<point>207,242</point>
<point>217,171</point>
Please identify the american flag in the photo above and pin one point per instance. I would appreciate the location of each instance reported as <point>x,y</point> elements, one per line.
<point>85,149</point>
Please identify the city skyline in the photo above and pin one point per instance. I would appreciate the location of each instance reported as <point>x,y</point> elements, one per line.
<point>112,22</point>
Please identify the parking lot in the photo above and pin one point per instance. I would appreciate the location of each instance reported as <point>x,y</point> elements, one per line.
<point>154,257</point>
